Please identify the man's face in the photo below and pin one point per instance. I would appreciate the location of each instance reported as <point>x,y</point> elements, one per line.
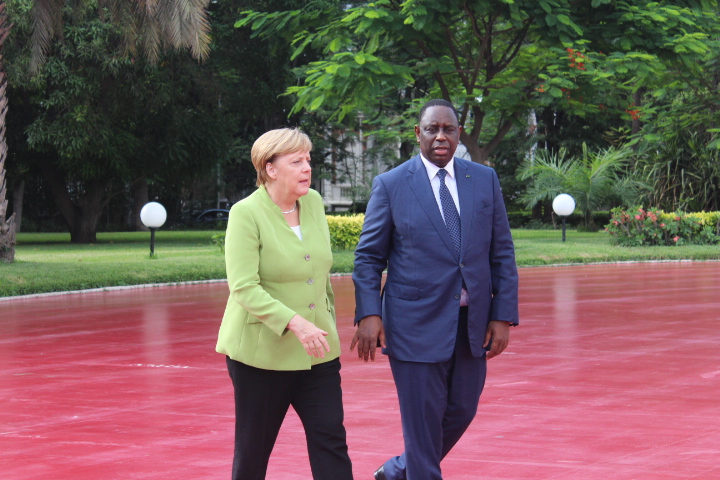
<point>438,135</point>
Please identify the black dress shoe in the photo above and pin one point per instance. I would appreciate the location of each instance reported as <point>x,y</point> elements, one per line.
<point>380,473</point>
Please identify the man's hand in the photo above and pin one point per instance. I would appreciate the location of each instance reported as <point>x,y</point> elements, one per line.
<point>499,332</point>
<point>369,332</point>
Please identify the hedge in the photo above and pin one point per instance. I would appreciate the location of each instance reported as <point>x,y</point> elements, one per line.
<point>345,230</point>
<point>524,219</point>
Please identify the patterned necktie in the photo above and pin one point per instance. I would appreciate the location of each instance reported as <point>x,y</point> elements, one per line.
<point>452,219</point>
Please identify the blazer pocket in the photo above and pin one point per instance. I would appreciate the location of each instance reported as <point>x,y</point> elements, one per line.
<point>250,318</point>
<point>399,290</point>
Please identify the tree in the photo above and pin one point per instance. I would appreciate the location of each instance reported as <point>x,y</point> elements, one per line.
<point>594,180</point>
<point>495,59</point>
<point>7,226</point>
<point>462,51</point>
<point>107,121</point>
<point>147,28</point>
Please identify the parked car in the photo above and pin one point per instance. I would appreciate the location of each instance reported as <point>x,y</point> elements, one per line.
<point>213,215</point>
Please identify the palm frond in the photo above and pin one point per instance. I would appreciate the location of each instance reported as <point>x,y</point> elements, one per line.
<point>148,26</point>
<point>46,25</point>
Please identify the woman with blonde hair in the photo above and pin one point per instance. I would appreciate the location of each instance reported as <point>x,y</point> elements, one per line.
<point>278,332</point>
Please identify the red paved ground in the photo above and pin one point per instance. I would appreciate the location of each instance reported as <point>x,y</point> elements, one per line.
<point>614,374</point>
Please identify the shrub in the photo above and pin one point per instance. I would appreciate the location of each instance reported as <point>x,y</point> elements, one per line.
<point>636,226</point>
<point>523,219</point>
<point>345,230</point>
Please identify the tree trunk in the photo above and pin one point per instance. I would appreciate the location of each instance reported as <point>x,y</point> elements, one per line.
<point>18,196</point>
<point>406,150</point>
<point>7,227</point>
<point>84,228</point>
<point>140,198</point>
<point>477,154</point>
<point>537,211</point>
<point>81,215</point>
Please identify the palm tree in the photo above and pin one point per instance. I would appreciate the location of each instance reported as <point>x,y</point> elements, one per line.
<point>148,26</point>
<point>7,227</point>
<point>593,180</point>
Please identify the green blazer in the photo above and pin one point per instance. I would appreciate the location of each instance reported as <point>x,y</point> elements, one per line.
<point>272,276</point>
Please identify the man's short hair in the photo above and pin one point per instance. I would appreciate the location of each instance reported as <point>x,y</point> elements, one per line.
<point>437,102</point>
<point>275,143</point>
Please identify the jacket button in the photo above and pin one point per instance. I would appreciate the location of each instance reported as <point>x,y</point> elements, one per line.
<point>462,265</point>
<point>311,281</point>
<point>457,297</point>
<point>311,306</point>
<point>307,257</point>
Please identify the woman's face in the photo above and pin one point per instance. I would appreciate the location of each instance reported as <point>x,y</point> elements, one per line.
<point>290,173</point>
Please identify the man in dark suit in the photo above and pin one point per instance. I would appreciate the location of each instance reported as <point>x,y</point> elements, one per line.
<point>439,226</point>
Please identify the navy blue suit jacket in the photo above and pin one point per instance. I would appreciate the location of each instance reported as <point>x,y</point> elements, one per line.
<point>405,233</point>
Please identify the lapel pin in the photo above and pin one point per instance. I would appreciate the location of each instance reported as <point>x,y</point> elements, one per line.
<point>467,176</point>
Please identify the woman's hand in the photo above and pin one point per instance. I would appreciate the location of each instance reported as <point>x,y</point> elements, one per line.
<point>311,337</point>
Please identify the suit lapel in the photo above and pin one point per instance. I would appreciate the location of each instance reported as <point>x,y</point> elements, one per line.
<point>465,186</point>
<point>420,184</point>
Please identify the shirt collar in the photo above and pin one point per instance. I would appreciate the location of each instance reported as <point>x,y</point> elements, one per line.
<point>432,169</point>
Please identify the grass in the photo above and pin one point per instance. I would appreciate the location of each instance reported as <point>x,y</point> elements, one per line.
<point>47,262</point>
<point>544,247</point>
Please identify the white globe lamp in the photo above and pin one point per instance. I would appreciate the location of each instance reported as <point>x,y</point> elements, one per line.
<point>153,216</point>
<point>563,205</point>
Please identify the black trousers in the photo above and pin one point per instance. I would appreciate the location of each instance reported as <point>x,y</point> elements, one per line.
<point>262,398</point>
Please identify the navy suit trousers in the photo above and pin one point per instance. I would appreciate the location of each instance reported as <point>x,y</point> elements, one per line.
<point>438,401</point>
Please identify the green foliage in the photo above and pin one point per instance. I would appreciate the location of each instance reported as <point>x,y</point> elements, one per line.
<point>178,24</point>
<point>219,241</point>
<point>683,170</point>
<point>101,120</point>
<point>639,227</point>
<point>373,51</point>
<point>345,230</point>
<point>593,180</point>
<point>496,59</point>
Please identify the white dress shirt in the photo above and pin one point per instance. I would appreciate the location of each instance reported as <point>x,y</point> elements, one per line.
<point>451,184</point>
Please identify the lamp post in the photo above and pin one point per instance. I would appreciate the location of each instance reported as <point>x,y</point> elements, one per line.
<point>153,216</point>
<point>563,205</point>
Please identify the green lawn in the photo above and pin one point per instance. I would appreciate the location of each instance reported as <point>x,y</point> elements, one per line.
<point>544,247</point>
<point>47,262</point>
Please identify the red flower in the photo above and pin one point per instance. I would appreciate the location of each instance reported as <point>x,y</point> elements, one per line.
<point>662,224</point>
<point>675,239</point>
<point>638,217</point>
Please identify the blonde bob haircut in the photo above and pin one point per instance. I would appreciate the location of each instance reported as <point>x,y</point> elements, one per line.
<point>274,143</point>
